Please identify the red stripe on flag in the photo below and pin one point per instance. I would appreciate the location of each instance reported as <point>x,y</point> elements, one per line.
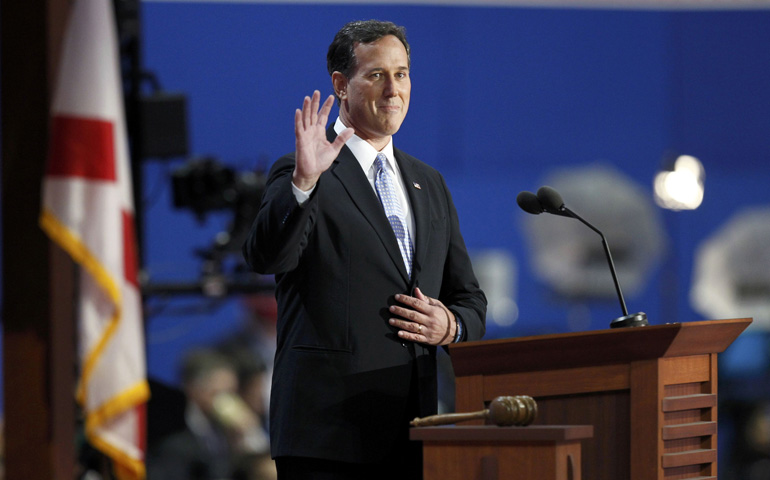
<point>82,147</point>
<point>130,258</point>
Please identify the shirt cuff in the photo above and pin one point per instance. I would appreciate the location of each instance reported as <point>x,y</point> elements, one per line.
<point>300,195</point>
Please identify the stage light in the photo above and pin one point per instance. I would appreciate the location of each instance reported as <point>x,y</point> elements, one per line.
<point>682,186</point>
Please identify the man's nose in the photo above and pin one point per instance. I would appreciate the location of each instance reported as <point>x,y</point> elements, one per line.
<point>391,87</point>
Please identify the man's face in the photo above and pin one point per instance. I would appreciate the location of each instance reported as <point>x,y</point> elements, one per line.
<point>375,98</point>
<point>204,390</point>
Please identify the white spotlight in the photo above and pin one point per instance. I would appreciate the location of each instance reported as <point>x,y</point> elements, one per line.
<point>682,187</point>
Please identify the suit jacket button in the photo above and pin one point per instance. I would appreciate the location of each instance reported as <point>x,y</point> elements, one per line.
<point>403,344</point>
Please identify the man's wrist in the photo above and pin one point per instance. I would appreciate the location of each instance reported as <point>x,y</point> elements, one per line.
<point>302,182</point>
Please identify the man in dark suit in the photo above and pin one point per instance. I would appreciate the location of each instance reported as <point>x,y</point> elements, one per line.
<point>366,291</point>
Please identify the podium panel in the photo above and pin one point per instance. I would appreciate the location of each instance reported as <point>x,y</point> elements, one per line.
<point>650,392</point>
<point>498,453</point>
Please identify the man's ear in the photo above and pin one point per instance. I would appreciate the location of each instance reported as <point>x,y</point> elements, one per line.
<point>340,84</point>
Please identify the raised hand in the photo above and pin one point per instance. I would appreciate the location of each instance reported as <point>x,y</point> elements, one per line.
<point>314,153</point>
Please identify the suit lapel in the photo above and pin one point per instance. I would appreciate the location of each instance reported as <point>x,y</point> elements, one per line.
<point>348,171</point>
<point>419,198</point>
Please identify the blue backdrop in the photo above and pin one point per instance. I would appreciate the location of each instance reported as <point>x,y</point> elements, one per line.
<point>500,98</point>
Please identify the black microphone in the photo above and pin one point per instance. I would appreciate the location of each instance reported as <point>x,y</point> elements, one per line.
<point>548,200</point>
<point>529,203</point>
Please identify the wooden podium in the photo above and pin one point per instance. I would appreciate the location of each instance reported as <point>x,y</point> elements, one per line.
<point>650,392</point>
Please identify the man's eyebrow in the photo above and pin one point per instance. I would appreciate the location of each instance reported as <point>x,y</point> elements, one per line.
<point>382,69</point>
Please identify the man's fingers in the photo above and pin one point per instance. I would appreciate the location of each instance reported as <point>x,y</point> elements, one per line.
<point>314,106</point>
<point>409,327</point>
<point>418,293</point>
<point>407,300</point>
<point>297,121</point>
<point>407,313</point>
<point>421,304</point>
<point>306,103</point>
<point>323,114</point>
<point>342,138</point>
<point>313,112</point>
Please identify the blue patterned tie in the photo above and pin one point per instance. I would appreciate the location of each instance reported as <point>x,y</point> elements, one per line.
<point>386,190</point>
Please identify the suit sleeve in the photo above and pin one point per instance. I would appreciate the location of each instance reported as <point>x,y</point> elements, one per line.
<point>460,290</point>
<point>281,228</point>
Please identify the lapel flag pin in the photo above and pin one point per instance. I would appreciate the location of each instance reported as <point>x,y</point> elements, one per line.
<point>417,185</point>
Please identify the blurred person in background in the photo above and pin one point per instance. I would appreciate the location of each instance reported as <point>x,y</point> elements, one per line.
<point>220,429</point>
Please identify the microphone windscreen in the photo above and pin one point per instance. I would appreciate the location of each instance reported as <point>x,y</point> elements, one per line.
<point>549,198</point>
<point>529,203</point>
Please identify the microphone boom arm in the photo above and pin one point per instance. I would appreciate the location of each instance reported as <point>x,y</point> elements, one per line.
<point>606,252</point>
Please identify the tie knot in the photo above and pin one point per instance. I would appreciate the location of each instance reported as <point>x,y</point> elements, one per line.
<point>381,162</point>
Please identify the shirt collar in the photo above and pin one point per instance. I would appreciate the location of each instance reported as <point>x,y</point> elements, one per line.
<point>364,152</point>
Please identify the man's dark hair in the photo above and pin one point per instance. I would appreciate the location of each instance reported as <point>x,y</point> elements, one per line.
<point>341,57</point>
<point>199,363</point>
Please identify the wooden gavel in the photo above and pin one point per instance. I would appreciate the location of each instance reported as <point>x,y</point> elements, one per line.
<point>503,411</point>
